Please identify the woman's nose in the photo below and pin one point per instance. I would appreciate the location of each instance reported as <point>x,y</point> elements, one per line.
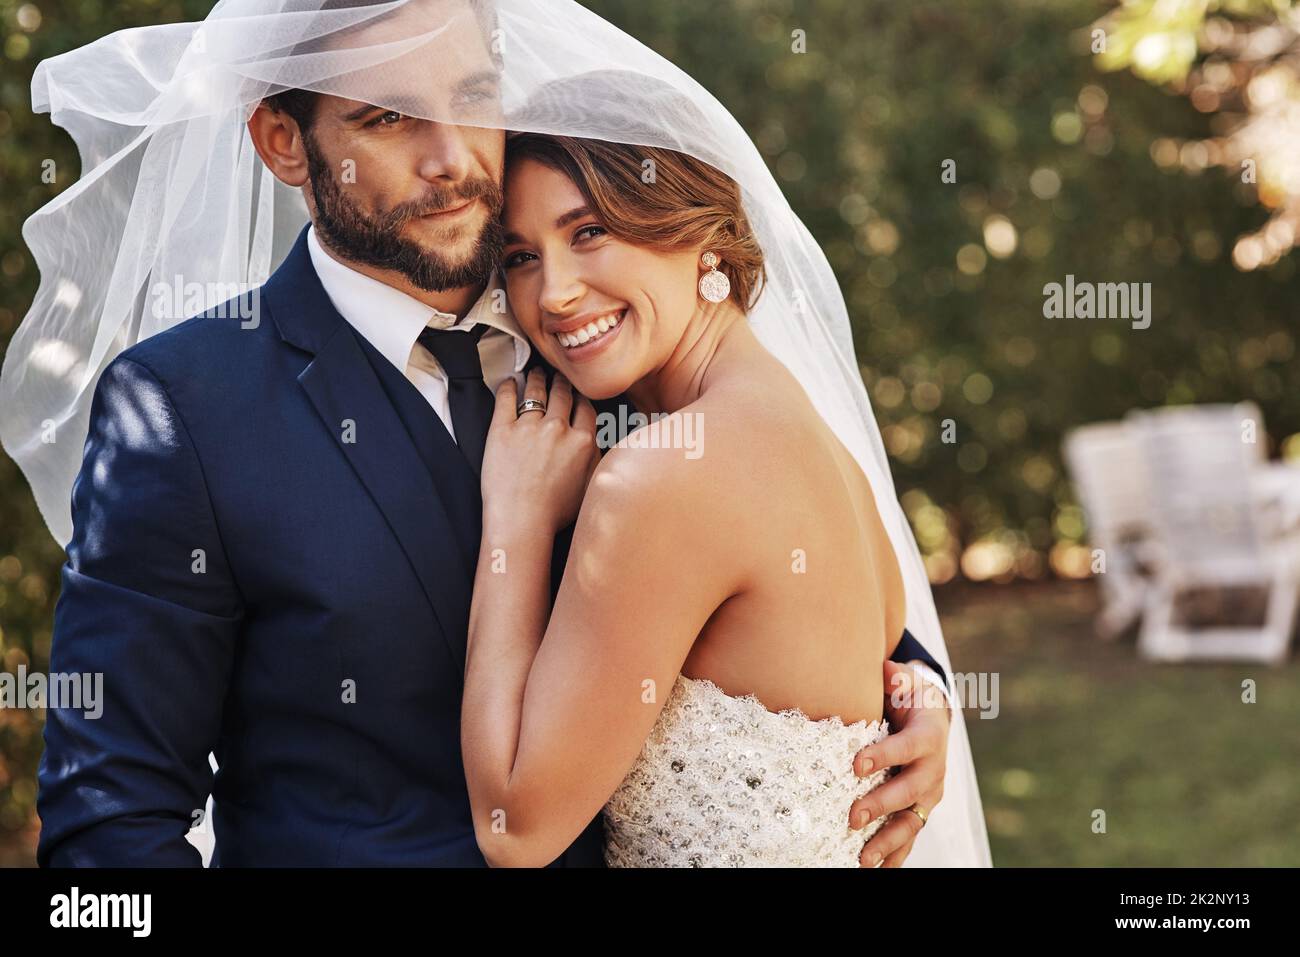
<point>561,288</point>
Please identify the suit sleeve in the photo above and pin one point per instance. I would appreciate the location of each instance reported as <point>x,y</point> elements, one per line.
<point>149,604</point>
<point>910,649</point>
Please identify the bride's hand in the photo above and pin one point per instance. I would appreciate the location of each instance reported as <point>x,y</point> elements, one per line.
<point>536,465</point>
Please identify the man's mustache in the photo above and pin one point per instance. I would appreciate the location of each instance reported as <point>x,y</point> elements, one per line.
<point>441,200</point>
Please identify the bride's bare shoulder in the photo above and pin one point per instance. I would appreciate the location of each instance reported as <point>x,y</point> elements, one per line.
<point>763,423</point>
<point>736,445</point>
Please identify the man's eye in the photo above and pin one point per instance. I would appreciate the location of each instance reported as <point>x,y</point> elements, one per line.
<point>386,119</point>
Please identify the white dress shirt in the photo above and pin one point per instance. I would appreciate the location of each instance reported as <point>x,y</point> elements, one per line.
<point>392,321</point>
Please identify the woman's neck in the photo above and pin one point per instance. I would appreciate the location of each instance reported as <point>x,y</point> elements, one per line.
<point>712,335</point>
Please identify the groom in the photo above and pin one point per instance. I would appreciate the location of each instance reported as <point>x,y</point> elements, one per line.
<point>277,523</point>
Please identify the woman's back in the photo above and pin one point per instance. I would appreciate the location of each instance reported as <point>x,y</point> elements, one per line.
<point>750,762</point>
<point>823,603</point>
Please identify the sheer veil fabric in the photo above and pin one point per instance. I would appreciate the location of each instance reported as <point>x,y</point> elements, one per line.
<point>175,214</point>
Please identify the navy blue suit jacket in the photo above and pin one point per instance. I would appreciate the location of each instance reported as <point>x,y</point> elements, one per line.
<point>274,546</point>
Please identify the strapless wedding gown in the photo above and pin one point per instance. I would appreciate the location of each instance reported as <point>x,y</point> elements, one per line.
<point>723,782</point>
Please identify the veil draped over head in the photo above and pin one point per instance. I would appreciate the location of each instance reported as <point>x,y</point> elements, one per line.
<point>174,214</point>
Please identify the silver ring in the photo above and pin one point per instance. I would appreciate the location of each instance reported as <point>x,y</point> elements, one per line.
<point>530,405</point>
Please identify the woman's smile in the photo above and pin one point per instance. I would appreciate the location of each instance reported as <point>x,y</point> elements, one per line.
<point>587,337</point>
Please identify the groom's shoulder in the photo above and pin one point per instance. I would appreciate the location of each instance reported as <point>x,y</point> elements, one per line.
<point>233,330</point>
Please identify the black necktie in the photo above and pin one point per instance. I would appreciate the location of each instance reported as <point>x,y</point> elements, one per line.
<point>470,399</point>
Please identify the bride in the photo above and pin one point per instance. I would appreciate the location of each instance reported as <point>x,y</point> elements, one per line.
<point>734,607</point>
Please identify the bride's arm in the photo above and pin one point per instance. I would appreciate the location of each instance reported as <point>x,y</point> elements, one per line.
<point>554,714</point>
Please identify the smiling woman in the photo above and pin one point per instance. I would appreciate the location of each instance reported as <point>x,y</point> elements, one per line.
<point>654,197</point>
<point>603,243</point>
<point>612,256</point>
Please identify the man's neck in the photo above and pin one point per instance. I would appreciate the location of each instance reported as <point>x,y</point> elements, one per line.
<point>456,302</point>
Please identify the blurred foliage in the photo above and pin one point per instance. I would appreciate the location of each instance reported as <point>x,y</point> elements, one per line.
<point>1159,39</point>
<point>1238,60</point>
<point>1058,170</point>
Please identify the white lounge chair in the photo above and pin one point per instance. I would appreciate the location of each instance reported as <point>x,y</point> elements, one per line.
<point>1199,463</point>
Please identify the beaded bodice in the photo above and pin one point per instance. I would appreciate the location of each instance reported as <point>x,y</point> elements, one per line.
<point>723,782</point>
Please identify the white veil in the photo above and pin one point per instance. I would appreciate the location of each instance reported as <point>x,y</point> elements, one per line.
<point>171,188</point>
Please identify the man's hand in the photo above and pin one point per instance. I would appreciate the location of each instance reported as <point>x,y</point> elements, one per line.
<point>919,716</point>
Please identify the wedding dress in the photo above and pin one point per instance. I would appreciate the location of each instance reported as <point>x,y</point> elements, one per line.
<point>724,782</point>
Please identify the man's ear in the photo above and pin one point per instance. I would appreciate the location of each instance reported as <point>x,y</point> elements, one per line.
<point>278,141</point>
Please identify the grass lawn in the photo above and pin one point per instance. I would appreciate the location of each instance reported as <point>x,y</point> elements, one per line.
<point>1186,773</point>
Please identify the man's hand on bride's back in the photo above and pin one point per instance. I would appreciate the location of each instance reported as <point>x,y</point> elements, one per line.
<point>537,464</point>
<point>918,750</point>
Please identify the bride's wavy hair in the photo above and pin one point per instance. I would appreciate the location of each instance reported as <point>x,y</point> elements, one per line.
<point>686,203</point>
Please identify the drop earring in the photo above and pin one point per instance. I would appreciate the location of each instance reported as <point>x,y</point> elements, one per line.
<point>714,286</point>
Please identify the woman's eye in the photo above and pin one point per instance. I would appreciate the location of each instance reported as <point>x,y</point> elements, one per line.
<point>590,232</point>
<point>515,259</point>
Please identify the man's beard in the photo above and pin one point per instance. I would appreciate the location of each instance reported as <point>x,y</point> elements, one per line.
<point>376,239</point>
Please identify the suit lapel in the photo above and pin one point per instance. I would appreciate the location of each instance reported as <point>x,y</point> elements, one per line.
<point>351,402</point>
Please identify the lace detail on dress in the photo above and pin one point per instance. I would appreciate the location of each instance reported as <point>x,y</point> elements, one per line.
<point>723,782</point>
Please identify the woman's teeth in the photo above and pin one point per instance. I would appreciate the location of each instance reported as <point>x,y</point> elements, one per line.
<point>592,330</point>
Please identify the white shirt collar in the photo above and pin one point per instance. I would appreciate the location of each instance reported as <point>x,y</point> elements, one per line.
<point>392,321</point>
